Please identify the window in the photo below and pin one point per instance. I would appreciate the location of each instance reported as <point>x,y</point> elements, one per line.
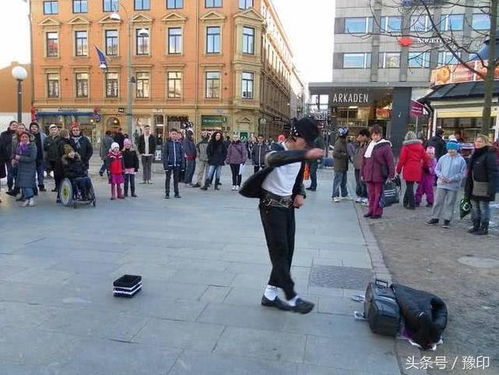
<point>111,42</point>
<point>389,60</point>
<point>174,84</point>
<point>245,4</point>
<point>213,39</point>
<point>174,4</point>
<point>248,40</point>
<point>142,42</point>
<point>446,58</point>
<point>81,43</point>
<point>212,85</point>
<point>481,22</point>
<point>420,23</point>
<point>50,7</point>
<point>213,3</point>
<point>142,4</point>
<point>357,60</point>
<point>174,40</point>
<point>111,85</point>
<point>419,60</point>
<point>82,85</point>
<point>391,24</point>
<point>53,85</point>
<point>143,86</point>
<point>110,5</point>
<point>247,85</point>
<point>52,44</point>
<point>358,25</point>
<point>80,6</point>
<point>452,22</point>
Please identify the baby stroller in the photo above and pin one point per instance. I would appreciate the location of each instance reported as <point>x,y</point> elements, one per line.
<point>77,190</point>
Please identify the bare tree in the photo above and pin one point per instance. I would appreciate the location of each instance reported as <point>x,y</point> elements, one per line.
<point>430,23</point>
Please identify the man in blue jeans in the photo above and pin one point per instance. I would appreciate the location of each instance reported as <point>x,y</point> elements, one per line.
<point>340,155</point>
<point>173,162</point>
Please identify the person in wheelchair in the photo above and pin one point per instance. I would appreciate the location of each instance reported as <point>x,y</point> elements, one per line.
<point>75,170</point>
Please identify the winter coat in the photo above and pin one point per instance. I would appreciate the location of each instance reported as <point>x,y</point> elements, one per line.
<point>119,138</point>
<point>141,147</point>
<point>381,160</point>
<point>115,162</point>
<point>258,153</point>
<point>237,154</point>
<point>412,159</point>
<point>105,146</point>
<point>6,145</point>
<point>201,150</point>
<point>359,154</point>
<point>83,147</point>
<point>73,167</point>
<point>439,144</point>
<point>130,159</point>
<point>39,139</point>
<point>217,153</point>
<point>26,167</point>
<point>482,168</point>
<point>340,155</point>
<point>51,147</point>
<point>452,168</point>
<point>189,148</point>
<point>173,155</point>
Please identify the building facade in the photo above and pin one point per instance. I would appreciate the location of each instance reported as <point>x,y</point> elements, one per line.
<point>383,58</point>
<point>8,104</point>
<point>214,64</point>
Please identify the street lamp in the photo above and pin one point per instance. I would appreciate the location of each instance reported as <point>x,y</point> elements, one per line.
<point>131,80</point>
<point>20,74</point>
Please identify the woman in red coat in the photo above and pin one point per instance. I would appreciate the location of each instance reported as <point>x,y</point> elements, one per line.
<point>412,160</point>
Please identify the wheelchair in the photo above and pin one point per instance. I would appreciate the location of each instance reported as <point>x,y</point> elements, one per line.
<point>71,195</point>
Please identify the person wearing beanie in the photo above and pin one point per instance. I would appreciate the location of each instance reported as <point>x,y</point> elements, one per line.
<point>450,171</point>
<point>81,145</point>
<point>131,166</point>
<point>340,156</point>
<point>190,156</point>
<point>115,171</point>
<point>279,186</point>
<point>75,170</point>
<point>411,162</point>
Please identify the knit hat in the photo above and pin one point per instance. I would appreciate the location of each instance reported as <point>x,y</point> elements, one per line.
<point>307,129</point>
<point>75,125</point>
<point>127,142</point>
<point>114,145</point>
<point>52,126</point>
<point>410,136</point>
<point>453,146</point>
<point>281,138</point>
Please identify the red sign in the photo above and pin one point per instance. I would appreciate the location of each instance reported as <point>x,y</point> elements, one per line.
<point>459,73</point>
<point>405,41</point>
<point>417,109</point>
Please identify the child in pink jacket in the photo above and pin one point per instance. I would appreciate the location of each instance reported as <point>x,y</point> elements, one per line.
<point>428,180</point>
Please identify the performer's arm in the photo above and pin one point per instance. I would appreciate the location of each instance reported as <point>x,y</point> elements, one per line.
<point>279,158</point>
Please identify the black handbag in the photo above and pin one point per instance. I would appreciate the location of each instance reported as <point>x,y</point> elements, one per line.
<point>390,194</point>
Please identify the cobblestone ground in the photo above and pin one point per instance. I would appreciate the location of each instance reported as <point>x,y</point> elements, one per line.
<point>431,258</point>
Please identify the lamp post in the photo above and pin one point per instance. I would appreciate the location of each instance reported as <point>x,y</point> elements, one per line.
<point>130,78</point>
<point>20,74</point>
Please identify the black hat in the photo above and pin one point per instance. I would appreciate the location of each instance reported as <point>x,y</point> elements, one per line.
<point>307,129</point>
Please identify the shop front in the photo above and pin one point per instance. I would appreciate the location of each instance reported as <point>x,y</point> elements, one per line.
<point>65,117</point>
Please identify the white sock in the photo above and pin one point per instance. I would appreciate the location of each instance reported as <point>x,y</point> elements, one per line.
<point>270,292</point>
<point>292,301</point>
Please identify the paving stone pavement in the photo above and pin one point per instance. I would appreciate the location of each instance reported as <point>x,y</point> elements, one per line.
<point>204,265</point>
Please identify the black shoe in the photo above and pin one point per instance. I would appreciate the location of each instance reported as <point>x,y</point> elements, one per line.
<point>53,190</point>
<point>311,189</point>
<point>143,182</point>
<point>302,307</point>
<point>446,224</point>
<point>484,229</point>
<point>475,227</point>
<point>376,217</point>
<point>101,174</point>
<point>12,193</point>
<point>177,196</point>
<point>410,207</point>
<point>133,195</point>
<point>196,185</point>
<point>126,195</point>
<point>368,215</point>
<point>277,303</point>
<point>167,196</point>
<point>432,222</point>
<point>41,188</point>
<point>204,187</point>
<point>429,205</point>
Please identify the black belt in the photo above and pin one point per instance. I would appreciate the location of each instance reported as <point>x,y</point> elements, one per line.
<point>269,199</point>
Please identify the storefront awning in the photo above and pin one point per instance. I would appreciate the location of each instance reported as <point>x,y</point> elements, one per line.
<point>458,91</point>
<point>64,113</point>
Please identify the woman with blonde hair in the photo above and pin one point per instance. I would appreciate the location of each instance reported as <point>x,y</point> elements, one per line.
<point>480,186</point>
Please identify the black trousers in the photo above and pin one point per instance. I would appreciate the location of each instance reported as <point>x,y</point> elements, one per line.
<point>236,177</point>
<point>279,227</point>
<point>129,180</point>
<point>313,165</point>
<point>409,200</point>
<point>360,188</point>
<point>176,178</point>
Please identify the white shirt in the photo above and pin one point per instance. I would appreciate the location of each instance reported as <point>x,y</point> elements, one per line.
<point>282,179</point>
<point>146,149</point>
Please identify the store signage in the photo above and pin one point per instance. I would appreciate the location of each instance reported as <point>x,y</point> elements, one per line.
<point>460,73</point>
<point>209,120</point>
<point>349,97</point>
<point>417,109</point>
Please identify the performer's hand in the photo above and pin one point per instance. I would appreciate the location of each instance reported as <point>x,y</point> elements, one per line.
<point>315,153</point>
<point>298,202</point>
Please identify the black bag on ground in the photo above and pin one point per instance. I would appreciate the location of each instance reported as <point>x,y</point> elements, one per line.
<point>381,309</point>
<point>390,193</point>
<point>425,314</point>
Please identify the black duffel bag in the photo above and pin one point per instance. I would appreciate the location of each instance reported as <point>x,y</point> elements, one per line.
<point>381,309</point>
<point>391,193</point>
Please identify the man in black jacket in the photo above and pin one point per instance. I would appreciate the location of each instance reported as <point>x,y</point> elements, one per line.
<point>81,145</point>
<point>146,148</point>
<point>39,139</point>
<point>280,189</point>
<point>438,143</point>
<point>173,162</point>
<point>258,153</point>
<point>51,148</point>
<point>6,152</point>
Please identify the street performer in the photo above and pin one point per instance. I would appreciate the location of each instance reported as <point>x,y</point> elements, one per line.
<point>279,186</point>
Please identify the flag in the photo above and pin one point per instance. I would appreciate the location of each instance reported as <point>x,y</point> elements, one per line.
<point>102,59</point>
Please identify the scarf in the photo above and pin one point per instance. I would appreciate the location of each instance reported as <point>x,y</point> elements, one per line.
<point>370,148</point>
<point>22,148</point>
<point>77,141</point>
